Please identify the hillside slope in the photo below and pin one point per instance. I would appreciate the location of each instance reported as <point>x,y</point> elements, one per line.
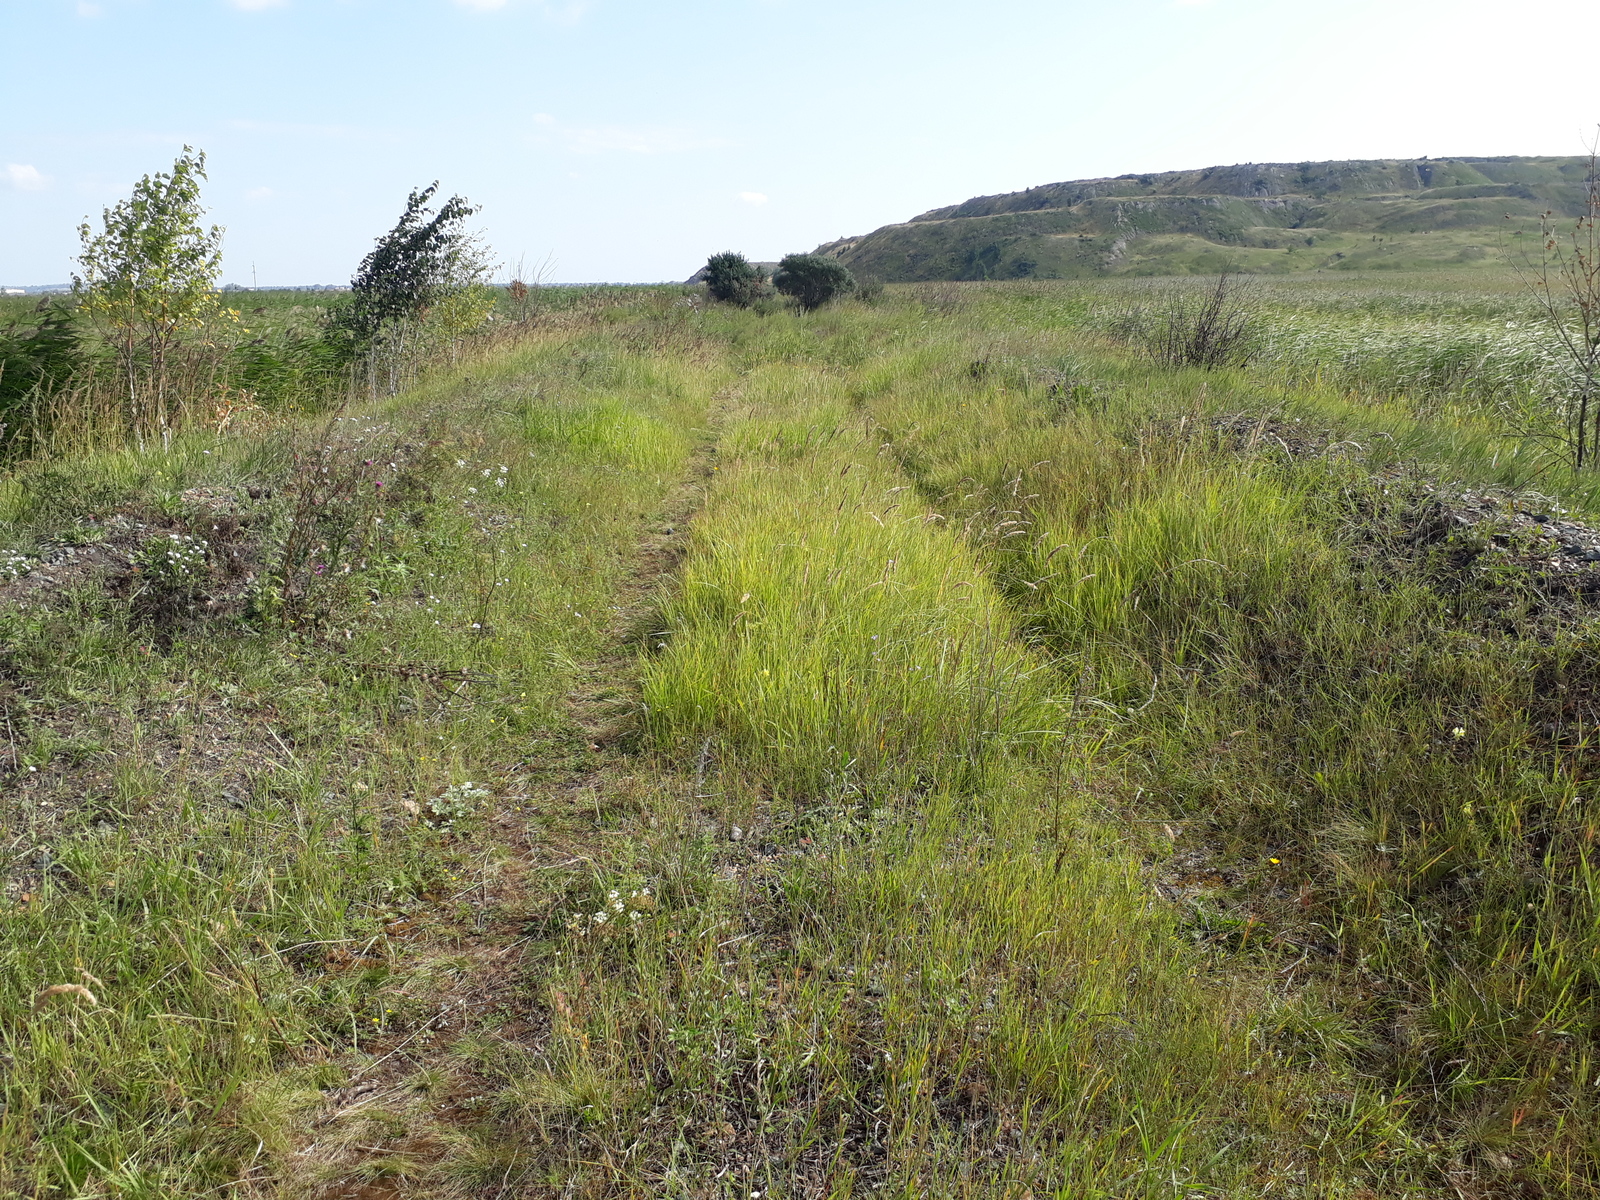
<point>1365,214</point>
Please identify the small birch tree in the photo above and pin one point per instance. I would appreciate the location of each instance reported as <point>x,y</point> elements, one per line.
<point>148,279</point>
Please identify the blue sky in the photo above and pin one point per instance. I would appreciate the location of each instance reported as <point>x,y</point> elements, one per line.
<point>626,140</point>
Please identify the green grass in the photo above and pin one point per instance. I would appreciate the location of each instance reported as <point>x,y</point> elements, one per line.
<point>1018,786</point>
<point>197,891</point>
<point>825,625</point>
<point>263,355</point>
<point>1370,737</point>
<point>920,960</point>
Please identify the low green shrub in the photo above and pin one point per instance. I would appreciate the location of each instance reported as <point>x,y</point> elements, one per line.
<point>812,280</point>
<point>733,279</point>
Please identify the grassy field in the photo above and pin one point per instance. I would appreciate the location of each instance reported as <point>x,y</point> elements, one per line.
<point>917,748</point>
<point>272,354</point>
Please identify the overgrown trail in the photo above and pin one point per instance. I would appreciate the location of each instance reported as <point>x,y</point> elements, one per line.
<point>416,1112</point>
<point>420,1114</point>
<point>605,705</point>
<point>908,749</point>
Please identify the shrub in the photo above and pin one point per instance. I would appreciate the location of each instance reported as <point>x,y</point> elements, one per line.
<point>425,276</point>
<point>812,280</point>
<point>733,279</point>
<point>1565,285</point>
<point>1218,328</point>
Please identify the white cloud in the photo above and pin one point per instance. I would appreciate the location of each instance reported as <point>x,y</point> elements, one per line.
<point>757,198</point>
<point>557,12</point>
<point>85,9</point>
<point>630,139</point>
<point>25,178</point>
<point>569,13</point>
<point>256,5</point>
<point>258,193</point>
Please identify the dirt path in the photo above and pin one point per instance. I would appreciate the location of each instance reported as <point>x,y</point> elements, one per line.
<point>408,1117</point>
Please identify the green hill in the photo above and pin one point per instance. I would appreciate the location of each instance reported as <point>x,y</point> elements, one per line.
<point>1364,214</point>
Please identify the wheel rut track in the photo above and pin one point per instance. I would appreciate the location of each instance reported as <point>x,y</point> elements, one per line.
<point>494,992</point>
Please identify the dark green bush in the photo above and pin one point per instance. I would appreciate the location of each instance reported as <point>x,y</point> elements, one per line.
<point>733,279</point>
<point>812,280</point>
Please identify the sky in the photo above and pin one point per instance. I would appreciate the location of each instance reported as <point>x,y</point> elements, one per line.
<point>626,140</point>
